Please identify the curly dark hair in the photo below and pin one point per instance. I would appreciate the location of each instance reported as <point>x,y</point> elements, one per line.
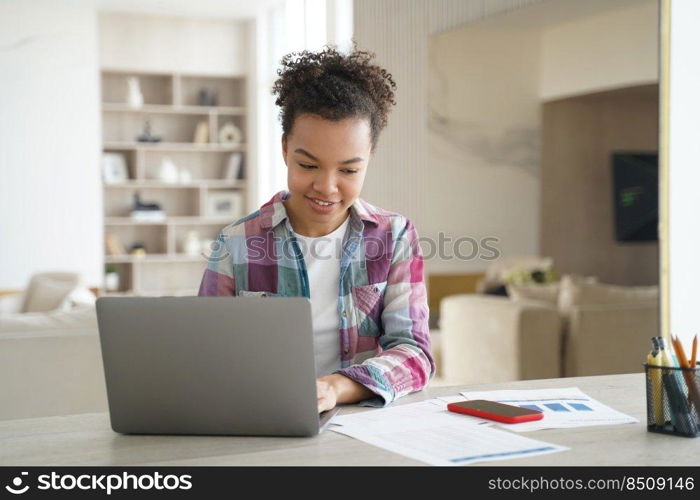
<point>334,86</point>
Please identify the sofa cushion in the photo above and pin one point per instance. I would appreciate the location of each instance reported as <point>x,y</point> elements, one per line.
<point>582,293</point>
<point>498,271</point>
<point>547,292</point>
<point>79,297</point>
<point>47,294</point>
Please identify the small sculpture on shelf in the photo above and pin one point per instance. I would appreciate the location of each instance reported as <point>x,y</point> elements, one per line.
<point>146,136</point>
<point>230,135</point>
<point>114,245</point>
<point>167,172</point>
<point>207,97</point>
<point>201,133</point>
<point>138,250</point>
<point>134,97</point>
<point>148,212</point>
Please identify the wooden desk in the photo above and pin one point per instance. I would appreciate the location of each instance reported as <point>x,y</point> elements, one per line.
<point>87,439</point>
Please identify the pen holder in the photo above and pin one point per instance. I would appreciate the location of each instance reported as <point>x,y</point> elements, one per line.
<point>673,400</point>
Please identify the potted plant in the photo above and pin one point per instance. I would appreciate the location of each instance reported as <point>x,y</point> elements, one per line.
<point>111,278</point>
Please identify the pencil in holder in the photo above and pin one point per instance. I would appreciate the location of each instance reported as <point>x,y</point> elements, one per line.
<point>673,400</point>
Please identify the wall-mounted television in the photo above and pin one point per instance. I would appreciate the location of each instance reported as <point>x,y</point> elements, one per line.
<point>636,195</point>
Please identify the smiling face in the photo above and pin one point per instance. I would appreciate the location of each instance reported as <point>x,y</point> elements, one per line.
<point>326,166</point>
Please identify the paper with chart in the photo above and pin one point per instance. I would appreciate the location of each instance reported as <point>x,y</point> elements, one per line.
<point>428,432</point>
<point>562,408</point>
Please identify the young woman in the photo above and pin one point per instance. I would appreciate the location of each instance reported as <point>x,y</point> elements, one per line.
<point>361,267</point>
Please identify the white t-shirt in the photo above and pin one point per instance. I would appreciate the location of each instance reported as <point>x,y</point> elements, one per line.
<point>322,259</point>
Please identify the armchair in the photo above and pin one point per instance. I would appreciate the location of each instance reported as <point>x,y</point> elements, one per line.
<point>492,339</point>
<point>605,339</point>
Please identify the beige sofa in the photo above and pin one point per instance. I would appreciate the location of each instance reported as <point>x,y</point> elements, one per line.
<point>50,364</point>
<point>592,329</point>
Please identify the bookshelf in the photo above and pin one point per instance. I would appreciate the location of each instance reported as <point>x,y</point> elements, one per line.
<point>193,183</point>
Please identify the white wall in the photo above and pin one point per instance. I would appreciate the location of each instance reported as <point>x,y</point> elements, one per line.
<point>684,152</point>
<point>484,130</point>
<point>50,197</point>
<point>398,31</point>
<point>138,42</point>
<point>583,56</point>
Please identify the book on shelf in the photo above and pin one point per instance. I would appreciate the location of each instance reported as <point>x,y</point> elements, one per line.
<point>233,168</point>
<point>148,215</point>
<point>114,245</point>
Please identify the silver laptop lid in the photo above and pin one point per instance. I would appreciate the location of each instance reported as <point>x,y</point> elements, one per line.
<point>209,365</point>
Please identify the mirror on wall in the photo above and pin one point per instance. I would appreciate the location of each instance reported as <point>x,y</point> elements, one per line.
<point>545,121</point>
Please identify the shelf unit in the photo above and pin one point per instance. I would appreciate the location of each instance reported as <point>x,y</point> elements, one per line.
<point>175,147</point>
<point>195,205</point>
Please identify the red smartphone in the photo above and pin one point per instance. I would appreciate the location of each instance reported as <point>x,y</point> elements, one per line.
<point>495,411</point>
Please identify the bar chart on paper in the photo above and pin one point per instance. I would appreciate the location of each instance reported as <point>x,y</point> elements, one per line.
<point>567,407</point>
<point>563,406</point>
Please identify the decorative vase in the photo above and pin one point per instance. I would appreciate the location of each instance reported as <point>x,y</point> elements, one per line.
<point>168,171</point>
<point>207,97</point>
<point>112,281</point>
<point>185,176</point>
<point>201,133</point>
<point>134,96</point>
<point>192,245</point>
<point>230,135</point>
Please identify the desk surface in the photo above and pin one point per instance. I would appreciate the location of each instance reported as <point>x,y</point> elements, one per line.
<point>87,439</point>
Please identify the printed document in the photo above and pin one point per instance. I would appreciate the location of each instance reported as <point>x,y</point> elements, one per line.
<point>448,442</point>
<point>406,412</point>
<point>428,432</point>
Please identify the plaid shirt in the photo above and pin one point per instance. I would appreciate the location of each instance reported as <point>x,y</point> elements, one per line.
<point>382,302</point>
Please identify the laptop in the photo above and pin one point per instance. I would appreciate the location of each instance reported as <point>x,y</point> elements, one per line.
<point>210,365</point>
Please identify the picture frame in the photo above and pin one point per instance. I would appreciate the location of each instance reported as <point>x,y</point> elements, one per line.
<point>225,204</point>
<point>114,170</point>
